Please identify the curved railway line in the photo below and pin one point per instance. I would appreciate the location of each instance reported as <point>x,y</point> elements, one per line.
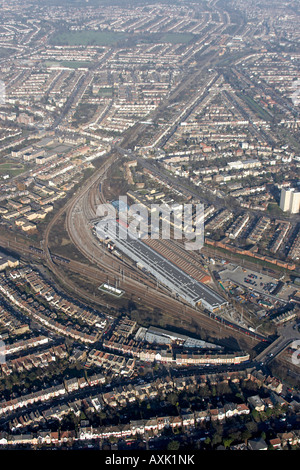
<point>107,267</point>
<point>171,307</point>
<point>80,211</point>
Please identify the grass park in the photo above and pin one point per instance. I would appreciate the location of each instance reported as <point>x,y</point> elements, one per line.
<point>11,169</point>
<point>87,38</point>
<point>111,38</point>
<point>70,64</point>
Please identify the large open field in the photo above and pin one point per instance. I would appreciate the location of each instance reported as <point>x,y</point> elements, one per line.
<point>71,64</point>
<point>11,169</point>
<point>6,52</point>
<point>88,38</point>
<point>110,38</point>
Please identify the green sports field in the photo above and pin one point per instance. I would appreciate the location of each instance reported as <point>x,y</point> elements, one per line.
<point>110,38</point>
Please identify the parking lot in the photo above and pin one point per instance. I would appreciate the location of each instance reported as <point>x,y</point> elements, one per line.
<point>252,280</point>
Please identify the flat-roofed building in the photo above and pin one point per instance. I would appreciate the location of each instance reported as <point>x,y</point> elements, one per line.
<point>290,200</point>
<point>7,261</point>
<point>166,272</point>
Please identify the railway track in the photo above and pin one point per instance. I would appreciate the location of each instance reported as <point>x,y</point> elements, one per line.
<point>172,309</point>
<point>129,278</point>
<point>79,212</point>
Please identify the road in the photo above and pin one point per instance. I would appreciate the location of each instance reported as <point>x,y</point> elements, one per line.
<point>81,210</point>
<point>288,333</point>
<point>79,213</point>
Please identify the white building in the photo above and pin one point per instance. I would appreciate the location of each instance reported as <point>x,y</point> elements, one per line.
<point>290,200</point>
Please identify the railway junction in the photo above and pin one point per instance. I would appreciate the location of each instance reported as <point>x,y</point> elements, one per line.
<point>179,282</point>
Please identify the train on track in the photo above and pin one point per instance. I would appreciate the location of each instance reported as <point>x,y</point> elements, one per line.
<point>218,318</point>
<point>36,250</point>
<point>60,258</point>
<point>236,327</point>
<point>53,255</point>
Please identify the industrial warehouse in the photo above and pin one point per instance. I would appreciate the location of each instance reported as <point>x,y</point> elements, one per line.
<point>179,282</point>
<point>156,335</point>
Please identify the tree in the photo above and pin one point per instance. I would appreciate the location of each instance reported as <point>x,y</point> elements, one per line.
<point>173,398</point>
<point>239,396</point>
<point>173,445</point>
<point>269,412</point>
<point>227,442</point>
<point>235,436</point>
<point>217,439</point>
<point>255,415</point>
<point>223,388</point>
<point>102,415</point>
<point>252,427</point>
<point>246,434</point>
<point>204,391</point>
